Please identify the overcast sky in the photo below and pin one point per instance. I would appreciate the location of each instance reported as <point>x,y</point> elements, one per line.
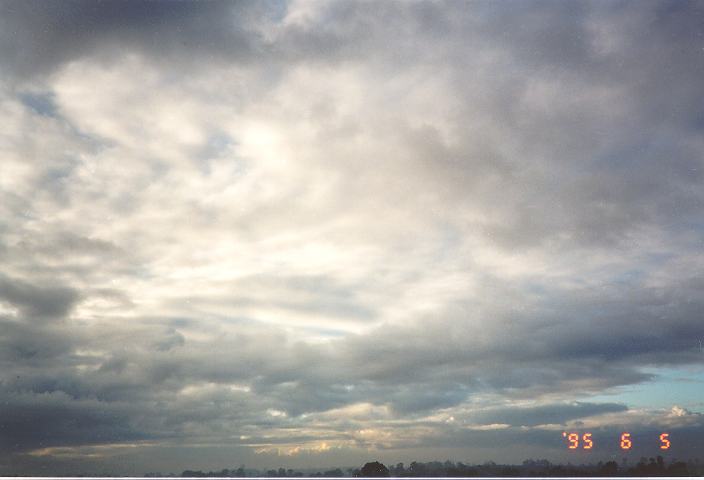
<point>324,233</point>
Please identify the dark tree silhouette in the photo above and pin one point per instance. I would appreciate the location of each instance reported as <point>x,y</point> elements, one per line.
<point>646,467</point>
<point>374,469</point>
<point>609,469</point>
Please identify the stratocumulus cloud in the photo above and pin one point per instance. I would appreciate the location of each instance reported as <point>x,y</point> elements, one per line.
<point>288,233</point>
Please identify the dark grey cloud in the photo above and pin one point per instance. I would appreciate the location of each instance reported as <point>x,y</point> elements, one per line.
<point>38,302</point>
<point>41,421</point>
<point>39,36</point>
<point>29,342</point>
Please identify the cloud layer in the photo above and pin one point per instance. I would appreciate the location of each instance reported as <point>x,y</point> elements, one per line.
<point>311,230</point>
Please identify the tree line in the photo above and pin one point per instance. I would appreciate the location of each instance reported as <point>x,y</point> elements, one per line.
<point>646,467</point>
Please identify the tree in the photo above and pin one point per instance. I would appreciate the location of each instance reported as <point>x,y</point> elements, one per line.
<point>374,469</point>
<point>398,471</point>
<point>417,469</point>
<point>609,469</point>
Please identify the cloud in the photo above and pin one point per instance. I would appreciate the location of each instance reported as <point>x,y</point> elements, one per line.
<point>51,36</point>
<point>38,302</point>
<point>343,226</point>
<point>546,414</point>
<point>33,421</point>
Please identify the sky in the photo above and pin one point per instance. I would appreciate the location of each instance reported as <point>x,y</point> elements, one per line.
<point>291,234</point>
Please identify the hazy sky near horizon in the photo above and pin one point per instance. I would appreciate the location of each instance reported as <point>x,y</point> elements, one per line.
<point>322,233</point>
